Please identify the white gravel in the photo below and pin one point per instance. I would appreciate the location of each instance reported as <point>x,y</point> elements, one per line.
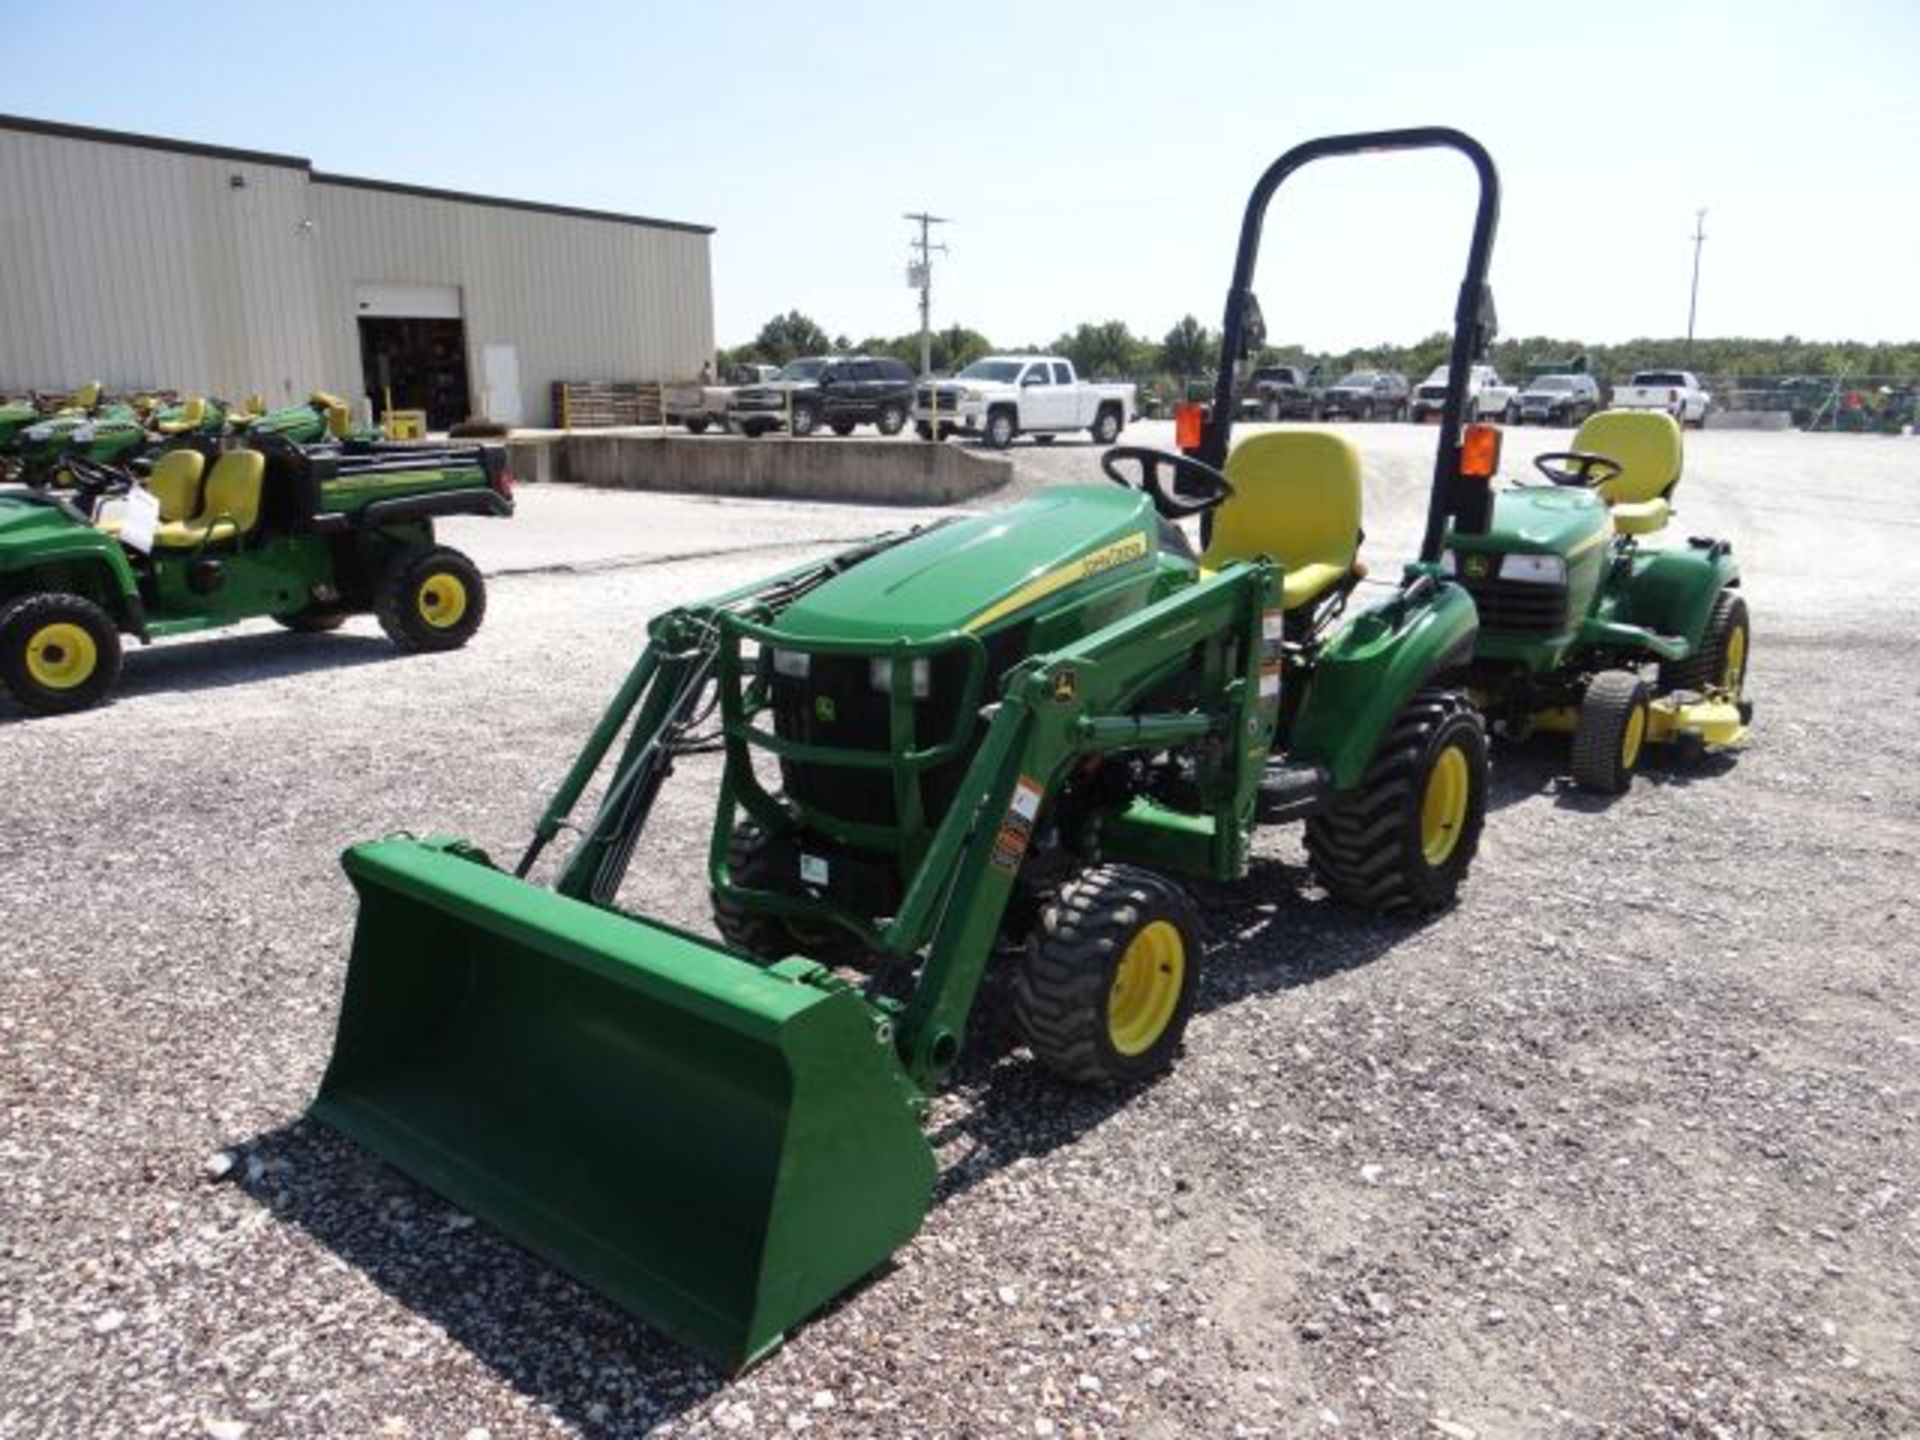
<point>1626,1144</point>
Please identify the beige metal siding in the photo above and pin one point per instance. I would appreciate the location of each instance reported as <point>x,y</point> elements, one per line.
<point>142,268</point>
<point>147,267</point>
<point>578,298</point>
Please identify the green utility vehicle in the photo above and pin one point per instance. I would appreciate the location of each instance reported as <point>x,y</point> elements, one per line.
<point>1586,630</point>
<point>304,536</point>
<point>996,744</point>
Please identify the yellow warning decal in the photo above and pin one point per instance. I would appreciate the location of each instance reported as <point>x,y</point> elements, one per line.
<point>1085,567</point>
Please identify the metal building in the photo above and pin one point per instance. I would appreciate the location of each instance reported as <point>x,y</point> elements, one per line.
<point>157,264</point>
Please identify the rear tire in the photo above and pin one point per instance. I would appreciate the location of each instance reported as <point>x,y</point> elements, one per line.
<point>923,429</point>
<point>841,427</point>
<point>430,600</point>
<point>891,420</point>
<point>1720,662</point>
<point>58,652</point>
<point>1105,990</point>
<point>1106,427</point>
<point>805,421</point>
<point>696,425</point>
<point>1403,843</point>
<point>1612,732</point>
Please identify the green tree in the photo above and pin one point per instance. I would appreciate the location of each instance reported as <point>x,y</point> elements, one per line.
<point>1186,351</point>
<point>789,336</point>
<point>1108,350</point>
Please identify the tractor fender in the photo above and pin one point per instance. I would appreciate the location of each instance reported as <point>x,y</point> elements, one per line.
<point>82,560</point>
<point>1671,592</point>
<point>1366,674</point>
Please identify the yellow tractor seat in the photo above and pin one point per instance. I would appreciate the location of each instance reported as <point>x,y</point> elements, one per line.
<point>229,508</point>
<point>192,412</point>
<point>174,482</point>
<point>1296,500</point>
<point>86,397</point>
<point>1647,446</point>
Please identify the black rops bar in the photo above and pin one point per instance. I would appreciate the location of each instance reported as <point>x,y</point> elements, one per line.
<point>1473,316</point>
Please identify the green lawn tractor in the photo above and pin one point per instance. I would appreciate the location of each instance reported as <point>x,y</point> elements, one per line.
<point>306,537</point>
<point>1586,630</point>
<point>997,743</point>
<point>320,417</point>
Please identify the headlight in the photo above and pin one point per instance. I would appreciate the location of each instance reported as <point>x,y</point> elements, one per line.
<point>1448,565</point>
<point>880,673</point>
<point>794,664</point>
<point>1534,569</point>
<point>970,395</point>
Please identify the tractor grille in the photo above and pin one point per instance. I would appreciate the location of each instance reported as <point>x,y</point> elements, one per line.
<point>1509,607</point>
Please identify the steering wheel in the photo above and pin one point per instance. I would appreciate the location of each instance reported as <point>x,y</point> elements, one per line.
<point>1215,487</point>
<point>91,479</point>
<point>1577,468</point>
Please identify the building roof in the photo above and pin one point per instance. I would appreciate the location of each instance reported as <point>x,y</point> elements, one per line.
<point>31,126</point>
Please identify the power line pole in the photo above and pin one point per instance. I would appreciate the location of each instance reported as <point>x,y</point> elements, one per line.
<point>1693,300</point>
<point>920,273</point>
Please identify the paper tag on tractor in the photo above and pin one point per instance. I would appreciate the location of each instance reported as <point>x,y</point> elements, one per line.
<point>140,519</point>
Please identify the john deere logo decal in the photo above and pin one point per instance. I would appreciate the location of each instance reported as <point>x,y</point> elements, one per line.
<point>1476,567</point>
<point>1066,685</point>
<point>823,708</point>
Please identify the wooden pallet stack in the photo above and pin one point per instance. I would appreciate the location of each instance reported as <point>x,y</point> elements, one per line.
<point>596,404</point>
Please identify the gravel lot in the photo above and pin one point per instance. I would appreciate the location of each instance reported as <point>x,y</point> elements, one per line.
<point>1626,1144</point>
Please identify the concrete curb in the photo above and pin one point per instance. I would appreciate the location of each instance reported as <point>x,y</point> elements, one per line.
<point>884,472</point>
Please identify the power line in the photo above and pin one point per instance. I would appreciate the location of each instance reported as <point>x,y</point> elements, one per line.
<point>1693,299</point>
<point>921,273</point>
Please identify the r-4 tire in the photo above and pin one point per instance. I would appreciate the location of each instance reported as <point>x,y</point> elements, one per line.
<point>1106,986</point>
<point>431,599</point>
<point>1720,662</point>
<point>58,652</point>
<point>1404,841</point>
<point>1611,733</point>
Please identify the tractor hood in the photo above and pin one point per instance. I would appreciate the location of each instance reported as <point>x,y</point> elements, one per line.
<point>975,573</point>
<point>1544,520</point>
<point>30,522</point>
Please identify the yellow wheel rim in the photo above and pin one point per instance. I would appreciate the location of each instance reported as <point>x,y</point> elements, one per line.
<point>442,599</point>
<point>61,656</point>
<point>1733,673</point>
<point>1443,809</point>
<point>1632,738</point>
<point>1146,987</point>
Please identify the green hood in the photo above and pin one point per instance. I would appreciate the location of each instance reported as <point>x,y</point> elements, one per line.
<point>974,573</point>
<point>1543,520</point>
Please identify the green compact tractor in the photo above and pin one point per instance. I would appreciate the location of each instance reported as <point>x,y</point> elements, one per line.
<point>1586,630</point>
<point>306,537</point>
<point>998,743</point>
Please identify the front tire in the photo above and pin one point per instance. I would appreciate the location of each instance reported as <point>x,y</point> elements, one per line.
<point>751,865</point>
<point>842,428</point>
<point>1404,841</point>
<point>891,420</point>
<point>1611,733</point>
<point>805,421</point>
<point>431,600</point>
<point>1000,429</point>
<point>1108,981</point>
<point>58,652</point>
<point>697,425</point>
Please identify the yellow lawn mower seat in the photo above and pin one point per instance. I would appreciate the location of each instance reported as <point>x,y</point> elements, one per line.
<point>175,483</point>
<point>1296,500</point>
<point>1647,445</point>
<point>229,508</point>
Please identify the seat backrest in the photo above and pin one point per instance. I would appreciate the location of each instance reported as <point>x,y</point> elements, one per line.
<point>1296,498</point>
<point>233,489</point>
<point>1647,445</point>
<point>175,483</point>
<point>86,397</point>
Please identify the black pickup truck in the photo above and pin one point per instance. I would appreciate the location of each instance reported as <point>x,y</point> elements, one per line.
<point>1281,392</point>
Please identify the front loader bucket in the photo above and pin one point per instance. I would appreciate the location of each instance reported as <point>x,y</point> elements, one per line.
<point>718,1148</point>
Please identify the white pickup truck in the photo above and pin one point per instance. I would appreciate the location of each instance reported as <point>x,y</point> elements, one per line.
<point>1488,396</point>
<point>1674,391</point>
<point>1002,396</point>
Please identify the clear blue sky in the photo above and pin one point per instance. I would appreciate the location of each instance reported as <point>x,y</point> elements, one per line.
<point>1096,157</point>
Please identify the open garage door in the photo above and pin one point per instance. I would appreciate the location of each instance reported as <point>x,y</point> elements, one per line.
<point>413,350</point>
